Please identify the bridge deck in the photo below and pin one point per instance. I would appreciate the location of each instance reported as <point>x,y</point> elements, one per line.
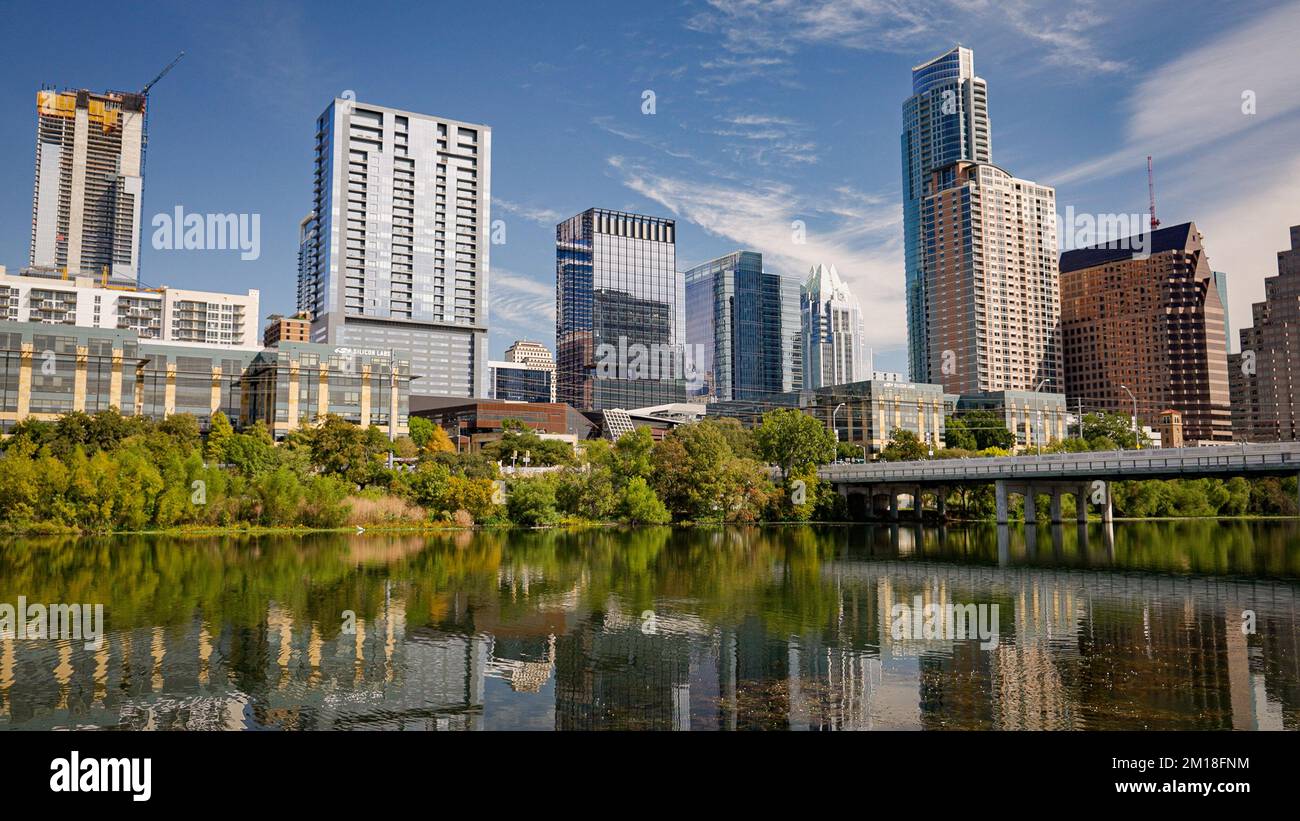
<point>1277,459</point>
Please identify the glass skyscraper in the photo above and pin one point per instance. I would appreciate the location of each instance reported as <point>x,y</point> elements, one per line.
<point>620,312</point>
<point>946,120</point>
<point>734,327</point>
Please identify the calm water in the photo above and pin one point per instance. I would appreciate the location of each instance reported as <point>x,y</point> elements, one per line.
<point>763,628</point>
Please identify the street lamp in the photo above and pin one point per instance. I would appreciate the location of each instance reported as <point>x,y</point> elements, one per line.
<point>835,427</point>
<point>1137,443</point>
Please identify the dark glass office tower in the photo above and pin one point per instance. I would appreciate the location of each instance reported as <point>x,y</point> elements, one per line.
<point>619,318</point>
<point>734,328</point>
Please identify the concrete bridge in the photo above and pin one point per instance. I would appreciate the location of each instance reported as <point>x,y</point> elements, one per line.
<point>1086,476</point>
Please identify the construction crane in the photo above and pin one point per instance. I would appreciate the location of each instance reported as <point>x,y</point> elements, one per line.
<point>144,103</point>
<point>1151,192</point>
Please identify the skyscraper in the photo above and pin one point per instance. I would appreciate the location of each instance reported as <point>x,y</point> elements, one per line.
<point>620,311</point>
<point>86,205</point>
<point>396,249</point>
<point>1265,382</point>
<point>946,120</point>
<point>533,355</point>
<point>1149,323</point>
<point>834,351</point>
<point>734,320</point>
<point>992,292</point>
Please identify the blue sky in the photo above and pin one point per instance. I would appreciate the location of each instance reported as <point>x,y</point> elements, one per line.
<point>765,113</point>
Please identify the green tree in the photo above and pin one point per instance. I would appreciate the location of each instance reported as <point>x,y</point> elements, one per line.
<point>904,446</point>
<point>957,434</point>
<point>219,433</point>
<point>989,429</point>
<point>531,502</point>
<point>793,440</point>
<point>640,506</point>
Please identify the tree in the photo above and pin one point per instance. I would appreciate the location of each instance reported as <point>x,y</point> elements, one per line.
<point>1111,431</point>
<point>640,506</point>
<point>989,429</point>
<point>220,432</point>
<point>904,446</point>
<point>793,440</point>
<point>421,430</point>
<point>531,502</point>
<point>957,434</point>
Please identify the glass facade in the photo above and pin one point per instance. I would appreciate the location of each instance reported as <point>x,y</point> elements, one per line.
<point>517,383</point>
<point>734,327</point>
<point>620,312</point>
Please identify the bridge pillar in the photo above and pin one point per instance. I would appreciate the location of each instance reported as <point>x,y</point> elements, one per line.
<point>1107,509</point>
<point>941,503</point>
<point>1000,491</point>
<point>918,503</point>
<point>893,504</point>
<point>1081,504</point>
<point>1031,505</point>
<point>1056,505</point>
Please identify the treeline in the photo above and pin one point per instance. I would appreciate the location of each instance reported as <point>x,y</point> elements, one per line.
<point>105,472</point>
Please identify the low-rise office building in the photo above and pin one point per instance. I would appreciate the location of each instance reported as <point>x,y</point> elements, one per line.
<point>1035,418</point>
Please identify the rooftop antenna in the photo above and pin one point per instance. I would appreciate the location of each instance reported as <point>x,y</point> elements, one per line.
<point>1151,192</point>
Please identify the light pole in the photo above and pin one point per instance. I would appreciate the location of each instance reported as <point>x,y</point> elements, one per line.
<point>835,427</point>
<point>1137,443</point>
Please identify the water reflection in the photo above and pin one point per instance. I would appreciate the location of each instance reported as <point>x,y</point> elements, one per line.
<point>737,628</point>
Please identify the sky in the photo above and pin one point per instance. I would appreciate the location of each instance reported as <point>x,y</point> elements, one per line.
<point>765,113</point>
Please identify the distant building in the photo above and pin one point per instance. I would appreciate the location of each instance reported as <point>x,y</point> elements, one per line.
<point>533,355</point>
<point>1266,373</point>
<point>871,410</point>
<point>834,348</point>
<point>480,421</point>
<point>1147,321</point>
<point>734,316</point>
<point>1221,285</point>
<point>286,329</point>
<point>163,314</point>
<point>1169,424</point>
<point>945,121</point>
<point>620,311</point>
<point>394,254</point>
<point>89,181</point>
<point>517,382</point>
<point>1035,418</point>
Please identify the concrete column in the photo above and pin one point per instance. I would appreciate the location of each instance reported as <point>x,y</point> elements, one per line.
<point>115,381</point>
<point>323,390</point>
<point>893,505</point>
<point>1056,505</point>
<point>215,399</point>
<point>138,399</point>
<point>941,502</point>
<point>918,504</point>
<point>393,405</point>
<point>169,392</point>
<point>79,378</point>
<point>1031,505</point>
<point>1081,504</point>
<point>1000,490</point>
<point>24,380</point>
<point>365,396</point>
<point>1107,509</point>
<point>294,371</point>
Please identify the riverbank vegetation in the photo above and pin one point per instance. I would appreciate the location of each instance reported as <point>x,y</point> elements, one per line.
<point>105,472</point>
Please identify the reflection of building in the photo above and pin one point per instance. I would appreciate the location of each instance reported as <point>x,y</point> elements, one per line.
<point>1150,323</point>
<point>395,253</point>
<point>1265,380</point>
<point>619,325</point>
<point>834,351</point>
<point>89,181</point>
<point>734,316</point>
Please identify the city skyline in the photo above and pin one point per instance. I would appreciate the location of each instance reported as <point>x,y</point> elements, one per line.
<point>1078,114</point>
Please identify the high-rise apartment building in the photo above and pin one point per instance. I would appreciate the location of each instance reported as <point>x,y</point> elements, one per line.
<point>831,330</point>
<point>620,312</point>
<point>86,203</point>
<point>734,326</point>
<point>992,293</point>
<point>945,121</point>
<point>395,253</point>
<point>1264,376</point>
<point>1147,322</point>
<point>791,335</point>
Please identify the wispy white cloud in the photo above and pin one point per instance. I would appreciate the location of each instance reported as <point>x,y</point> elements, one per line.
<point>521,305</point>
<point>542,216</point>
<point>860,234</point>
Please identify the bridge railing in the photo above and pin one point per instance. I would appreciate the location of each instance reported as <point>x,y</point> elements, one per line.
<point>1273,457</point>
